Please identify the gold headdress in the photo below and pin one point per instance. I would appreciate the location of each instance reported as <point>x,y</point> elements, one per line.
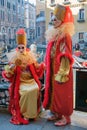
<point>59,12</point>
<point>63,13</point>
<point>21,36</point>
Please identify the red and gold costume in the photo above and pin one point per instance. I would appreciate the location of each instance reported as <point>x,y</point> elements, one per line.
<point>59,77</point>
<point>25,86</point>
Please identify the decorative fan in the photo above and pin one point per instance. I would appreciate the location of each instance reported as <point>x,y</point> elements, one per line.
<point>85,37</point>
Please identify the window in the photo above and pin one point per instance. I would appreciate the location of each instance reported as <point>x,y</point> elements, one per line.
<point>14,18</point>
<point>14,7</point>
<point>22,2</point>
<point>19,20</point>
<point>8,5</point>
<point>38,31</point>
<point>18,10</point>
<point>2,2</point>
<point>9,17</point>
<point>66,2</point>
<point>52,1</point>
<point>81,14</point>
<point>2,15</point>
<point>3,30</point>
<point>18,1</point>
<point>81,36</point>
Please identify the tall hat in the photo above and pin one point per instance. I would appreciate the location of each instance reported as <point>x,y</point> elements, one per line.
<point>63,13</point>
<point>21,36</point>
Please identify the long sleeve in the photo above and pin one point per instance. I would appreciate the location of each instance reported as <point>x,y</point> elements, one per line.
<point>65,60</point>
<point>62,75</point>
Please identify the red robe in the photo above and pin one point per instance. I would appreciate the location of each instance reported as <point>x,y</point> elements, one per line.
<point>14,107</point>
<point>59,96</point>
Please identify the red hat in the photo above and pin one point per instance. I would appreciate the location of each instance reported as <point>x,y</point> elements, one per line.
<point>68,15</point>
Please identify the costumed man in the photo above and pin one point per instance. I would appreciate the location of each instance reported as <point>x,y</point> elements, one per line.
<point>23,72</point>
<point>58,95</point>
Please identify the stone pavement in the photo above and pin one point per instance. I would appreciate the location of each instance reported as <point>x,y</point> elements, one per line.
<point>79,119</point>
<point>79,122</point>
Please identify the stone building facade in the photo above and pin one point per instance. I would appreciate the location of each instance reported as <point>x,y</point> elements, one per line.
<point>11,18</point>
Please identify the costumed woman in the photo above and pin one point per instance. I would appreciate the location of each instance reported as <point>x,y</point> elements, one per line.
<point>23,72</point>
<point>59,77</point>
